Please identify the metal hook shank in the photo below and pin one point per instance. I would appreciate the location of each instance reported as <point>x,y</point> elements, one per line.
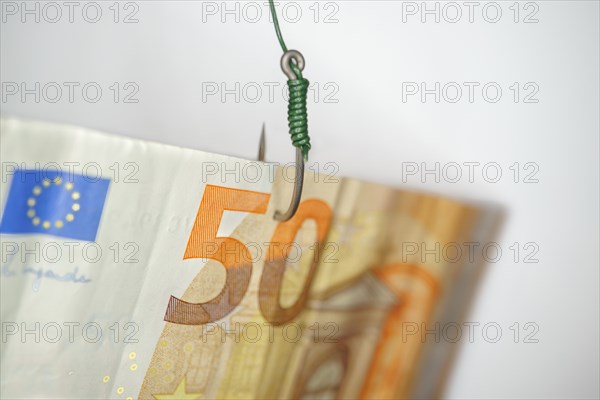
<point>286,61</point>
<point>297,194</point>
<point>287,58</point>
<point>298,181</point>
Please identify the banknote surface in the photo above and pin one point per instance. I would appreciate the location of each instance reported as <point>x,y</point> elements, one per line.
<point>139,270</point>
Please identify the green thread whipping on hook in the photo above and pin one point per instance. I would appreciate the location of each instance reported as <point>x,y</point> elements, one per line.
<point>297,116</point>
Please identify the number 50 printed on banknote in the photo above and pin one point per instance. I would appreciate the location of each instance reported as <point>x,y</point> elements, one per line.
<point>139,270</point>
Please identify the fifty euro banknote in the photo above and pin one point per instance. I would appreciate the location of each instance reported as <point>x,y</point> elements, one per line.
<point>133,269</point>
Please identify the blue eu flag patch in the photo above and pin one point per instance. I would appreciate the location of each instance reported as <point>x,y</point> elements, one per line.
<point>55,203</point>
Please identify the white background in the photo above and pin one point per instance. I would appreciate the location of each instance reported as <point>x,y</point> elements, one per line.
<point>360,56</point>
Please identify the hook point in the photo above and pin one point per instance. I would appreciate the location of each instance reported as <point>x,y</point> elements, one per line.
<point>262,144</point>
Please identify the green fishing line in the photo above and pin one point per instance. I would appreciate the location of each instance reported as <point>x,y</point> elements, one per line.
<point>297,116</point>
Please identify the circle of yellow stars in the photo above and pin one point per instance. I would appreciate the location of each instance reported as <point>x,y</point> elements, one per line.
<point>37,191</point>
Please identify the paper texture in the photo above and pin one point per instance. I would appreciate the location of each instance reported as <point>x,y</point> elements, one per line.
<point>134,269</point>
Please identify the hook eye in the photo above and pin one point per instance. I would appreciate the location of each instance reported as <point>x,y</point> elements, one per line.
<point>287,58</point>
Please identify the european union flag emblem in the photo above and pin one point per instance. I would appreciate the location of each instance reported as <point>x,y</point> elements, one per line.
<point>66,205</point>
